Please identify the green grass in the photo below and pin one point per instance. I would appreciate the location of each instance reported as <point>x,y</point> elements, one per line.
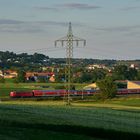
<point>54,120</point>
<point>16,133</point>
<point>127,102</point>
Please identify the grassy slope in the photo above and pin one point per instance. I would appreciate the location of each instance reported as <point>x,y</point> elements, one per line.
<point>55,120</point>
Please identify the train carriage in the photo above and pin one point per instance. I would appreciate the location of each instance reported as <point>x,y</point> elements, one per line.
<point>40,93</point>
<point>21,94</point>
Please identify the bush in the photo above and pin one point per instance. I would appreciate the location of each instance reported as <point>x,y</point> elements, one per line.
<point>42,79</point>
<point>60,87</point>
<point>16,81</point>
<point>2,80</point>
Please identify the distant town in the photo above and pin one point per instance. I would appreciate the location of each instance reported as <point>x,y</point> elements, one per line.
<point>40,68</point>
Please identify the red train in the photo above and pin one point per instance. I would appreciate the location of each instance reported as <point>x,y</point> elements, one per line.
<point>21,94</point>
<point>128,91</point>
<point>50,93</point>
<point>62,93</point>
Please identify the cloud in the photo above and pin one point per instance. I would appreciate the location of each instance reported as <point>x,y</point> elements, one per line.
<point>17,26</point>
<point>24,28</point>
<point>47,8</point>
<point>57,23</point>
<point>9,21</point>
<point>131,8</point>
<point>79,6</point>
<point>120,28</point>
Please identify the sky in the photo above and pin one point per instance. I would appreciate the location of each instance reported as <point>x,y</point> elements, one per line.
<point>110,27</point>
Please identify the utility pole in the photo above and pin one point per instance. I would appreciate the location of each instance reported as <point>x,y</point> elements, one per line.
<point>69,41</point>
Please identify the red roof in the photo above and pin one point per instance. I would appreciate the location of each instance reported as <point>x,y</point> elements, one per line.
<point>28,74</point>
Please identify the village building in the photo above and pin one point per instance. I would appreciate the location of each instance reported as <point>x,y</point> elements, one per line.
<point>133,84</point>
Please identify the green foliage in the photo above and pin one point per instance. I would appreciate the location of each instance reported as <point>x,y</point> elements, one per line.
<point>107,87</point>
<point>60,75</point>
<point>42,79</point>
<point>72,87</point>
<point>86,77</point>
<point>121,85</point>
<point>2,80</point>
<point>60,87</point>
<point>23,60</point>
<point>90,76</point>
<point>122,72</point>
<point>132,74</point>
<point>98,74</point>
<point>21,76</point>
<point>16,81</point>
<point>138,75</point>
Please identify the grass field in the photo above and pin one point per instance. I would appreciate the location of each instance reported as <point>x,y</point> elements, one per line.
<point>52,120</point>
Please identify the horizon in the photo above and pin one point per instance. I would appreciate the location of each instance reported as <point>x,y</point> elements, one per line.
<point>75,57</point>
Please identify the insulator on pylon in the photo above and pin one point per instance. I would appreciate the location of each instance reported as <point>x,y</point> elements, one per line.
<point>76,42</point>
<point>55,43</point>
<point>85,43</point>
<point>62,43</point>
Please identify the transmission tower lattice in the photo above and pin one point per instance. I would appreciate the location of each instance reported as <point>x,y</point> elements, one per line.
<point>68,41</point>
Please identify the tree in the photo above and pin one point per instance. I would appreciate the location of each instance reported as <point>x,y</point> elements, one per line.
<point>120,72</point>
<point>98,74</point>
<point>138,75</point>
<point>21,76</point>
<point>86,77</point>
<point>2,80</point>
<point>107,87</point>
<point>132,74</point>
<point>60,75</point>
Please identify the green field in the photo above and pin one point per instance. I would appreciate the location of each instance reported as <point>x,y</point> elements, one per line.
<point>53,120</point>
<point>87,119</point>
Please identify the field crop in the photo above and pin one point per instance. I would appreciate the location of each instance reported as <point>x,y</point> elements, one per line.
<point>31,120</point>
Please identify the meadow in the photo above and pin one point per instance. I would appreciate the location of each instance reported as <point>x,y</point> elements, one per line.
<point>53,120</point>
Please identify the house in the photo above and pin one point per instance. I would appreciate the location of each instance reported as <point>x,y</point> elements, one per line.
<point>91,86</point>
<point>134,66</point>
<point>1,73</point>
<point>33,76</point>
<point>9,74</point>
<point>92,67</point>
<point>133,84</point>
<point>52,78</point>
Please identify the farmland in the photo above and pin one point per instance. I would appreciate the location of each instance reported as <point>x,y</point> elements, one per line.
<point>54,120</point>
<point>51,120</point>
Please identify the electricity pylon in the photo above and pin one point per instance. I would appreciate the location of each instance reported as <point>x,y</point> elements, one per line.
<point>69,41</point>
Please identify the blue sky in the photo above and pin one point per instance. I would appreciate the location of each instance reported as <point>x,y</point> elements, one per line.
<point>111,27</point>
